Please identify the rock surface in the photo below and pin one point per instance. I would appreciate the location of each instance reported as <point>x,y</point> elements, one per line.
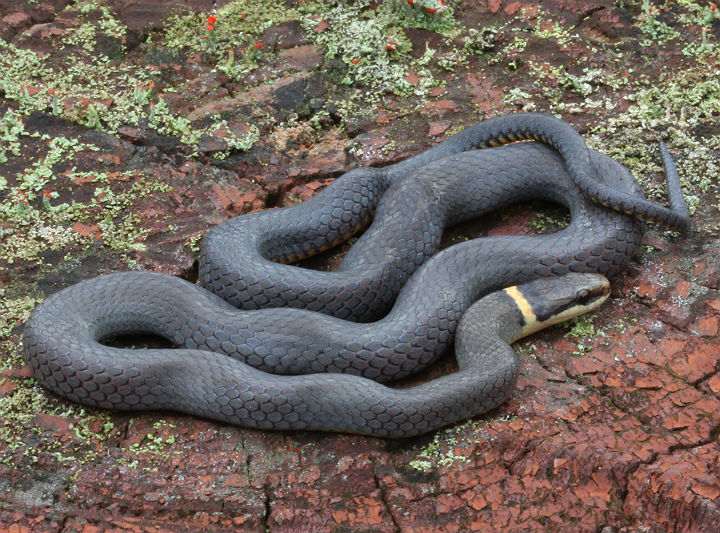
<point>613,426</point>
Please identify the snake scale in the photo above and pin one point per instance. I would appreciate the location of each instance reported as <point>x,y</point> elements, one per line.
<point>269,345</point>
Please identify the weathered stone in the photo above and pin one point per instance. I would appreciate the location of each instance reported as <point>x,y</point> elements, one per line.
<point>617,428</point>
<point>287,35</point>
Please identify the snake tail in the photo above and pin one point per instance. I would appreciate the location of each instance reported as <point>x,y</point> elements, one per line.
<point>568,142</point>
<point>675,194</point>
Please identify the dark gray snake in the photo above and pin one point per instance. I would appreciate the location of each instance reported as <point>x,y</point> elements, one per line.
<point>313,368</point>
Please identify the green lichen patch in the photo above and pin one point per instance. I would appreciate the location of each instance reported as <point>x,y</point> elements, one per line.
<point>90,90</point>
<point>81,83</point>
<point>36,221</point>
<point>153,450</point>
<point>456,445</point>
<point>581,326</point>
<point>11,129</point>
<point>373,46</point>
<point>678,104</point>
<point>24,439</point>
<point>444,450</point>
<point>582,330</point>
<point>16,302</point>
<point>234,27</point>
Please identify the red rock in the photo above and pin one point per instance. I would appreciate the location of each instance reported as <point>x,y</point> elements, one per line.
<point>676,492</point>
<point>646,289</point>
<point>711,492</point>
<point>24,371</point>
<point>564,345</point>
<point>440,106</point>
<point>321,26</point>
<point>587,365</point>
<point>6,387</point>
<point>715,304</point>
<point>494,5</point>
<point>438,128</point>
<point>447,503</point>
<point>706,326</point>
<point>683,288</point>
<point>31,90</point>
<point>696,363</point>
<point>475,499</point>
<point>86,230</point>
<point>234,201</point>
<point>411,77</point>
<point>485,95</point>
<point>512,8</point>
<point>670,346</point>
<point>211,144</point>
<point>57,424</point>
<point>17,20</point>
<point>649,383</point>
<point>714,383</point>
<point>302,57</point>
<point>129,133</point>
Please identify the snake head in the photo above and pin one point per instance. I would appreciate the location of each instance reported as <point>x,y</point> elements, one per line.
<point>549,301</point>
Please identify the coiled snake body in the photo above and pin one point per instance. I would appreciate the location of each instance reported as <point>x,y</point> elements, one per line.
<point>313,368</point>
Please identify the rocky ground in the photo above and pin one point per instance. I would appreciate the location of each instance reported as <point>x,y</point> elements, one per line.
<point>129,128</point>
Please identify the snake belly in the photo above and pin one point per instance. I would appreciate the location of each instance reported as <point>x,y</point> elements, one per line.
<point>284,368</point>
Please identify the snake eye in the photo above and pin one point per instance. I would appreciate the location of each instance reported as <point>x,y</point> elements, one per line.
<point>582,296</point>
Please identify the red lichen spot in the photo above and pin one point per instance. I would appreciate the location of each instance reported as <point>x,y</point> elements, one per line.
<point>211,19</point>
<point>430,10</point>
<point>47,194</point>
<point>209,27</point>
<point>259,45</point>
<point>356,61</point>
<point>411,2</point>
<point>389,47</point>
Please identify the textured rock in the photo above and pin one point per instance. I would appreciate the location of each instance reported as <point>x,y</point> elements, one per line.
<point>609,429</point>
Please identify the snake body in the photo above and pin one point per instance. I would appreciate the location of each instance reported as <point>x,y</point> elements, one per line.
<point>300,369</point>
<point>408,229</point>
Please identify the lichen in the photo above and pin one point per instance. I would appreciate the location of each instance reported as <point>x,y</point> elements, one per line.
<point>454,445</point>
<point>369,55</point>
<point>11,129</point>
<point>581,326</point>
<point>18,410</point>
<point>441,452</point>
